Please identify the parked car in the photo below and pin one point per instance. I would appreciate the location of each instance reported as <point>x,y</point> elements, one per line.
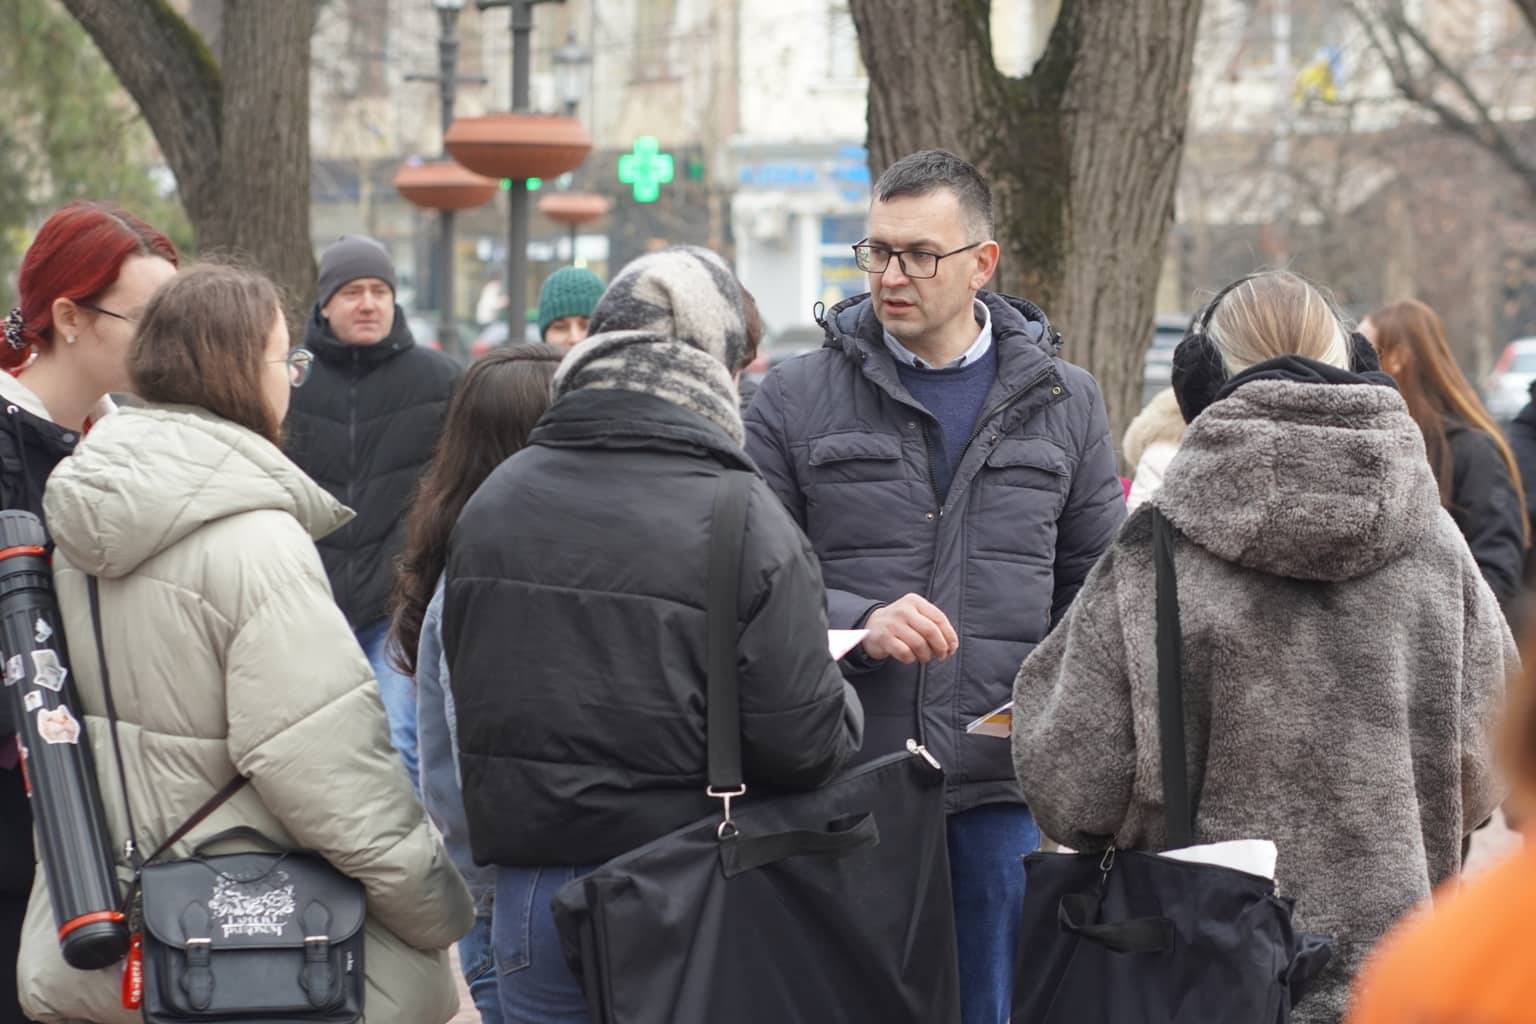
<point>1509,385</point>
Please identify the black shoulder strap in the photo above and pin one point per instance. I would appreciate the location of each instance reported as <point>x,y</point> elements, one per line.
<point>198,816</point>
<point>724,708</point>
<point>1179,812</point>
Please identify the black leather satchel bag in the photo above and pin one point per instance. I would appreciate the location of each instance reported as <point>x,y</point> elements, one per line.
<point>261,937</point>
<point>274,937</point>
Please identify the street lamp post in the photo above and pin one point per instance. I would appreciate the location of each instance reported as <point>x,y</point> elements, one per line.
<point>448,82</point>
<point>517,195</point>
<point>571,63</point>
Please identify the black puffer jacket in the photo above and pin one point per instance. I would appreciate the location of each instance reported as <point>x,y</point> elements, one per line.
<point>1034,502</point>
<point>574,626</point>
<point>42,444</point>
<point>1522,440</point>
<point>1485,507</point>
<point>364,427</point>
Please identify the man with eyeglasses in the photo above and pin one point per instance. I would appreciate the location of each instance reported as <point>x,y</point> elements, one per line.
<point>364,427</point>
<point>957,480</point>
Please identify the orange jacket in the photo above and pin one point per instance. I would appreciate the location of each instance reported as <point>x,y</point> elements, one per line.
<point>1471,960</point>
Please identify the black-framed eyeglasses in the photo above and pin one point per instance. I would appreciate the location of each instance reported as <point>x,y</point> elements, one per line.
<point>918,263</point>
<point>107,312</point>
<point>300,362</point>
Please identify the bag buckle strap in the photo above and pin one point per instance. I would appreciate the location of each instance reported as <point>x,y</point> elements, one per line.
<point>197,983</point>
<point>318,977</point>
<point>727,829</point>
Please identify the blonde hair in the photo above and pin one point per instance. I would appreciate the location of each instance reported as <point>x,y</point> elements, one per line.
<point>1276,313</point>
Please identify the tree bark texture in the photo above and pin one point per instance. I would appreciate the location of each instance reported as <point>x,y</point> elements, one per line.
<point>1082,153</point>
<point>233,126</point>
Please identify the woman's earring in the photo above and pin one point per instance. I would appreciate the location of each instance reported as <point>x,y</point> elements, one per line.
<point>69,339</point>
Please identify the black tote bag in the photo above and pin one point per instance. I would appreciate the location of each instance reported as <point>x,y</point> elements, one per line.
<point>1130,937</point>
<point>831,906</point>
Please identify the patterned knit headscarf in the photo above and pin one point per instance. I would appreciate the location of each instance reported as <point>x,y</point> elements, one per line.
<point>670,325</point>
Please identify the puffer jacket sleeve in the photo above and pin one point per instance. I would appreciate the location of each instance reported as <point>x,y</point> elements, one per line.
<point>1491,658</point>
<point>1095,505</point>
<point>767,423</point>
<point>1486,507</point>
<point>800,720</point>
<point>1072,695</point>
<point>307,727</point>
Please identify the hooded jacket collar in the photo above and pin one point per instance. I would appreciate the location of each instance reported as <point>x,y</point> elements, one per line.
<point>1025,340</point>
<point>601,418</point>
<point>146,478</point>
<point>322,341</point>
<point>14,392</point>
<point>1313,481</point>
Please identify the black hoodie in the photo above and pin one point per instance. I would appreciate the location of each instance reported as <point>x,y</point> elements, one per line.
<point>364,427</point>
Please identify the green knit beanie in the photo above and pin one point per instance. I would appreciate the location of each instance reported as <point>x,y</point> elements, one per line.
<point>569,291</point>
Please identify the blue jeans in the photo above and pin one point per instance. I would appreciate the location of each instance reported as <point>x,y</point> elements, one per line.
<point>985,844</point>
<point>478,959</point>
<point>535,986</point>
<point>399,695</point>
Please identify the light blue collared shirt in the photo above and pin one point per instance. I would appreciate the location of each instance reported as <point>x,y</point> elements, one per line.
<point>907,357</point>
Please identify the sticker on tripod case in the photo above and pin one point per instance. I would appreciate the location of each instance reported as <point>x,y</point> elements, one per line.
<point>15,670</point>
<point>44,631</point>
<point>32,700</point>
<point>58,726</point>
<point>50,670</point>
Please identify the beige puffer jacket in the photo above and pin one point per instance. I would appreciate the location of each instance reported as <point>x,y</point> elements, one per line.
<point>228,655</point>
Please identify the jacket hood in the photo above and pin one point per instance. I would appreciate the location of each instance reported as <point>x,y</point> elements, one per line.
<point>852,325</point>
<point>1159,423</point>
<point>631,419</point>
<point>145,478</point>
<point>1308,481</point>
<point>322,341</point>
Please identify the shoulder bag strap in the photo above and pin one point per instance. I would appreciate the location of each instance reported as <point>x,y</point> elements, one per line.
<point>198,816</point>
<point>724,699</point>
<point>1180,814</point>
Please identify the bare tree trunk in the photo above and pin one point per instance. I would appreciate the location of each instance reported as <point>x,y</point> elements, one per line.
<point>233,126</point>
<point>1082,153</point>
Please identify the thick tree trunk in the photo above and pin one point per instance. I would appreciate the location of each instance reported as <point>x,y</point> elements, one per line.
<point>1083,153</point>
<point>233,126</point>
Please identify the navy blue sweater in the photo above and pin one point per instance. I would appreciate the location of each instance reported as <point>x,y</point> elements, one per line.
<point>954,396</point>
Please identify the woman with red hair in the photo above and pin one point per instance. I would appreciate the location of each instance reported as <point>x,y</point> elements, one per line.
<point>83,283</point>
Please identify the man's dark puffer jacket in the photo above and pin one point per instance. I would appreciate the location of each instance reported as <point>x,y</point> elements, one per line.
<point>364,427</point>
<point>574,626</point>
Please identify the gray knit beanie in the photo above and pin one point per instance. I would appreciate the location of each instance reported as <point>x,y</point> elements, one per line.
<point>349,258</point>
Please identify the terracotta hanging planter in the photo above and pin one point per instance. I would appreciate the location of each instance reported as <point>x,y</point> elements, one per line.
<point>519,145</point>
<point>443,185</point>
<point>574,208</point>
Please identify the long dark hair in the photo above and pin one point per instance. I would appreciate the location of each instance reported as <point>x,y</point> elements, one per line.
<point>493,410</point>
<point>1436,391</point>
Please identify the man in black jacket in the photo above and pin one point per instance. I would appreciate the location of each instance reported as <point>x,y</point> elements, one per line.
<point>574,618</point>
<point>364,428</point>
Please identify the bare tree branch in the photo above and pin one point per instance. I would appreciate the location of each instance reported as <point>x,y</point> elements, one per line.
<point>167,69</point>
<point>1390,32</point>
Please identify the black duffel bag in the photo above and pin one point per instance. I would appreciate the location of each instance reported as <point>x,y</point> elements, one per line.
<point>831,905</point>
<point>1131,937</point>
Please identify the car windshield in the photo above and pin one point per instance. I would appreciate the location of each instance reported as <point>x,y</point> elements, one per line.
<point>1524,362</point>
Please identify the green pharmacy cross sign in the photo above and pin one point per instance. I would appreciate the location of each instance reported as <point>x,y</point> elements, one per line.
<point>646,169</point>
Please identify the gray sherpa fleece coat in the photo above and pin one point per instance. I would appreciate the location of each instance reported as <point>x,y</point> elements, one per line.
<point>1343,664</point>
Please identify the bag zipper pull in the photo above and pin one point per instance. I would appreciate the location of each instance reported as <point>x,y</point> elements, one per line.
<point>917,749</point>
<point>133,973</point>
